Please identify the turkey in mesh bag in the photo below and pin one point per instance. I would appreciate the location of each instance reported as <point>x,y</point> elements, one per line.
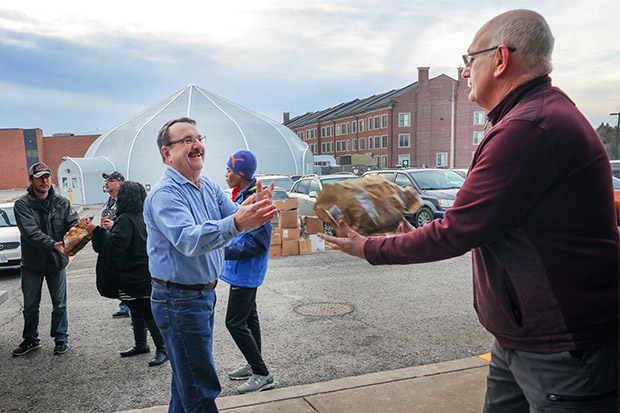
<point>77,237</point>
<point>368,205</point>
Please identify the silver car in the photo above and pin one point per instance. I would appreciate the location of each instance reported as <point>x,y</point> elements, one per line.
<point>10,249</point>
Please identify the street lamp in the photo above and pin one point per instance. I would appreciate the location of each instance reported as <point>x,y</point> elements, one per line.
<point>617,145</point>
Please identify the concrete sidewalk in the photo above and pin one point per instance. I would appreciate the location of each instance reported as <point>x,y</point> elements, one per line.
<point>452,386</point>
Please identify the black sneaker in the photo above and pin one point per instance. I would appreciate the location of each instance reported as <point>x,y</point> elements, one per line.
<point>120,314</point>
<point>25,347</point>
<point>61,347</point>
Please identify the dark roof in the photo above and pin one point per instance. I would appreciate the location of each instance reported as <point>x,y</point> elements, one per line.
<point>351,108</point>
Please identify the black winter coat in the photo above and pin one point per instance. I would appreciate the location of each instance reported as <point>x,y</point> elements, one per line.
<point>122,261</point>
<point>42,224</point>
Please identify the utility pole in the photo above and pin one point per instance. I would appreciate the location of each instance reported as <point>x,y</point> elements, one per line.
<point>452,132</point>
<point>617,145</point>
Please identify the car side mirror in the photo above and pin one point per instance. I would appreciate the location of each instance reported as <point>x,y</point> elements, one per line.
<point>312,194</point>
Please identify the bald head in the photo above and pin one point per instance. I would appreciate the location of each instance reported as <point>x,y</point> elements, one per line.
<point>529,33</point>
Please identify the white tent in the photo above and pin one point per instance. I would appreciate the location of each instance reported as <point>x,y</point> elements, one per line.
<point>132,145</point>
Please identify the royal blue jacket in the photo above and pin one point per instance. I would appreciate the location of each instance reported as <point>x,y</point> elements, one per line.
<point>247,254</point>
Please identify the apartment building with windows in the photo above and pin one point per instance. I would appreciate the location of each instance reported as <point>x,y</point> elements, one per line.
<point>430,122</point>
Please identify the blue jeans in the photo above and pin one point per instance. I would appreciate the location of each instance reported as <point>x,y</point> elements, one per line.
<point>32,284</point>
<point>185,319</point>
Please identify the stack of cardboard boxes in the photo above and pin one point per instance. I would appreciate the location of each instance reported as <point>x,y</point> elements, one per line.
<point>287,238</point>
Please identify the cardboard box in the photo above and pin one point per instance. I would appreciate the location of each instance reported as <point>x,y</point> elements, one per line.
<point>288,219</point>
<point>304,246</point>
<point>288,233</point>
<point>313,225</point>
<point>275,251</point>
<point>316,243</point>
<point>286,204</point>
<point>276,239</point>
<point>290,247</point>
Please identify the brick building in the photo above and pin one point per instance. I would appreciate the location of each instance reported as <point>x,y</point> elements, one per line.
<point>430,122</point>
<point>23,147</point>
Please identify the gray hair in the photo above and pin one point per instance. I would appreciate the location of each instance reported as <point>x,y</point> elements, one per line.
<point>164,134</point>
<point>531,35</point>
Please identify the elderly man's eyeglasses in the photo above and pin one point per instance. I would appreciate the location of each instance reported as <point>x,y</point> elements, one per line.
<point>467,58</point>
<point>188,140</point>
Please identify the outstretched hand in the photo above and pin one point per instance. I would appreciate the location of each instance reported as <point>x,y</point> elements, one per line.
<point>253,214</point>
<point>59,246</point>
<point>352,244</point>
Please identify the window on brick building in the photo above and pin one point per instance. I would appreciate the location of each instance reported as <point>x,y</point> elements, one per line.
<point>404,140</point>
<point>377,142</point>
<point>442,159</point>
<point>370,142</point>
<point>354,126</point>
<point>337,146</point>
<point>354,144</point>
<point>384,141</point>
<point>348,127</point>
<point>313,133</point>
<point>479,118</point>
<point>384,163</point>
<point>377,122</point>
<point>377,160</point>
<point>361,125</point>
<point>331,130</point>
<point>478,135</point>
<point>362,141</point>
<point>338,130</point>
<point>384,121</point>
<point>348,144</point>
<point>404,160</point>
<point>404,120</point>
<point>370,123</point>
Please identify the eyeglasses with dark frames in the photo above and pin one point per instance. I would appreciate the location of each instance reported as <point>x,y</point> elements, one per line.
<point>188,140</point>
<point>467,58</point>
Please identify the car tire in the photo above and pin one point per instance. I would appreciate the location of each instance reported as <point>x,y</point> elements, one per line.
<point>423,217</point>
<point>327,230</point>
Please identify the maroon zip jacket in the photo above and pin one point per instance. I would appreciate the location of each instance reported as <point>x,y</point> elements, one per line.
<point>537,212</point>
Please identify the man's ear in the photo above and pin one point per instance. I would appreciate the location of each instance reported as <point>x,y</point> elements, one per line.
<point>165,151</point>
<point>502,57</point>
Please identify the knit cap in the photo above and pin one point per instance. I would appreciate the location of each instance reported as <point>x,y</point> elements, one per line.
<point>243,163</point>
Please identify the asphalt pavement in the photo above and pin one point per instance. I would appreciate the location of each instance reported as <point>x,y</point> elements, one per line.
<point>339,335</point>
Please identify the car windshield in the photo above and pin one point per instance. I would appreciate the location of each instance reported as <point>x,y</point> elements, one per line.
<point>341,178</point>
<point>437,179</point>
<point>279,194</point>
<point>284,183</point>
<point>7,218</point>
<point>616,183</point>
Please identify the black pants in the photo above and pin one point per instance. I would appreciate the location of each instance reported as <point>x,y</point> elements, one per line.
<point>244,327</point>
<point>141,307</point>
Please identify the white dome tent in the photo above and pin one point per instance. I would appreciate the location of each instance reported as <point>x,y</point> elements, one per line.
<point>132,146</point>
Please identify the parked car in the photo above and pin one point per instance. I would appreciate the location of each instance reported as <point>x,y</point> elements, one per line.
<point>282,181</point>
<point>437,187</point>
<point>460,171</point>
<point>10,248</point>
<point>617,196</point>
<point>615,168</point>
<point>307,188</point>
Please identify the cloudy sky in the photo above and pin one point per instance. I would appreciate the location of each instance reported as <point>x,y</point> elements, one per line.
<point>84,67</point>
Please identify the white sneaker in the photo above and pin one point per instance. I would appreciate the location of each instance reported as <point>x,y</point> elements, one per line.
<point>257,383</point>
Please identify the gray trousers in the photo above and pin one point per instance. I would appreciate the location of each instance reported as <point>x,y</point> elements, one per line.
<point>585,381</point>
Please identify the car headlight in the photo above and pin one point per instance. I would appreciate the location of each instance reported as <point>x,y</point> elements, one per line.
<point>446,203</point>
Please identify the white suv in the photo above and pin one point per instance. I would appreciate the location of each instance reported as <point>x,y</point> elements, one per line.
<point>306,189</point>
<point>10,249</point>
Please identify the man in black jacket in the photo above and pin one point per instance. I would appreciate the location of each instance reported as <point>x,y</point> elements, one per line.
<point>43,219</point>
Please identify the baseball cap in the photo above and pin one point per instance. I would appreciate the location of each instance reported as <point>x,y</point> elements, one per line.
<point>39,169</point>
<point>114,175</point>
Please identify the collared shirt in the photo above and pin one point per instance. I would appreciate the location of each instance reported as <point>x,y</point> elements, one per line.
<point>187,229</point>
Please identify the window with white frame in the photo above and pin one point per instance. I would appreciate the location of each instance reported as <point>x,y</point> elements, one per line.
<point>404,160</point>
<point>384,121</point>
<point>479,118</point>
<point>362,145</point>
<point>478,135</point>
<point>337,146</point>
<point>384,141</point>
<point>384,163</point>
<point>331,130</point>
<point>354,127</point>
<point>354,145</point>
<point>370,142</point>
<point>404,140</point>
<point>370,123</point>
<point>307,134</point>
<point>361,122</point>
<point>313,134</point>
<point>348,127</point>
<point>377,122</point>
<point>338,130</point>
<point>404,120</point>
<point>377,142</point>
<point>442,159</point>
<point>323,148</point>
<point>377,160</point>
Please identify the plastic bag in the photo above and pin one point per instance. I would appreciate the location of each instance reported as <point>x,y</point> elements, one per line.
<point>77,237</point>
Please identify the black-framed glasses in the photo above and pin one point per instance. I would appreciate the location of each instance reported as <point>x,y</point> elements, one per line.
<point>188,140</point>
<point>467,58</point>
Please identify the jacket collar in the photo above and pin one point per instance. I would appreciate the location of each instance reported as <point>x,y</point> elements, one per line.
<point>514,97</point>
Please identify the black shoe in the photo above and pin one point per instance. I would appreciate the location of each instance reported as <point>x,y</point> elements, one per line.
<point>61,347</point>
<point>120,314</point>
<point>134,351</point>
<point>25,347</point>
<point>160,358</point>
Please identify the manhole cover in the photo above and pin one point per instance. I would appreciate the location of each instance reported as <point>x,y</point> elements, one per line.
<point>323,309</point>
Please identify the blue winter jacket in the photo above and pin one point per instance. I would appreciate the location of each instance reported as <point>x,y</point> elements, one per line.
<point>247,254</point>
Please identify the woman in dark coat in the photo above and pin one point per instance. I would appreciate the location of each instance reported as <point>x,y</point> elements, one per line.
<point>123,268</point>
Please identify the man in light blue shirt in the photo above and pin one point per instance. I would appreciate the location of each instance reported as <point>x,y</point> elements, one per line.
<point>189,219</point>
